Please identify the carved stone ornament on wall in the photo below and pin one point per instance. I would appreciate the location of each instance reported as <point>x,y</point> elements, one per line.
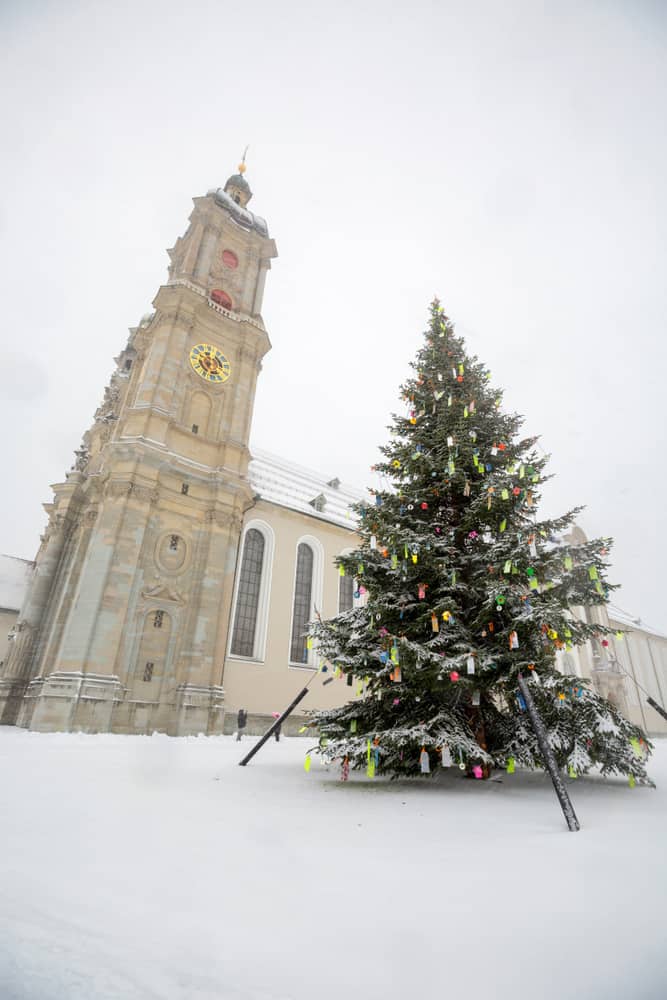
<point>81,460</point>
<point>163,594</point>
<point>118,488</point>
<point>108,410</point>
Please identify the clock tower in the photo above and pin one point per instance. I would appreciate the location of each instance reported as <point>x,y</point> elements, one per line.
<point>124,627</point>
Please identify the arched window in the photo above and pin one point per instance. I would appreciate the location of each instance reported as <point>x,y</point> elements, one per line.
<point>221,298</point>
<point>199,412</point>
<point>247,598</point>
<point>303,590</point>
<point>345,593</point>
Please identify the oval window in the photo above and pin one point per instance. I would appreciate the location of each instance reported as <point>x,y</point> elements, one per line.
<point>229,258</point>
<point>171,553</point>
<point>222,298</point>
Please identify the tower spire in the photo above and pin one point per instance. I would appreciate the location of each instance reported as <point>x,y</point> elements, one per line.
<point>237,186</point>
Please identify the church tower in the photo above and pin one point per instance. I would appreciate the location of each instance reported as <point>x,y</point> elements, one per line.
<point>124,627</point>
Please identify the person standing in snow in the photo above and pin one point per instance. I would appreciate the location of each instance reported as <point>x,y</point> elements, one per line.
<point>241,720</point>
<point>276,731</point>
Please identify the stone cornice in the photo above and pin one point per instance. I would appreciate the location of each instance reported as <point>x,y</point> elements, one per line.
<point>237,317</point>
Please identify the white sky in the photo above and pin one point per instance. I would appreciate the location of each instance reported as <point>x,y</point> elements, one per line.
<point>509,156</point>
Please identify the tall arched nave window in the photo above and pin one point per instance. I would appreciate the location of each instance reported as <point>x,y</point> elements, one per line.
<point>248,595</point>
<point>345,593</point>
<point>303,595</point>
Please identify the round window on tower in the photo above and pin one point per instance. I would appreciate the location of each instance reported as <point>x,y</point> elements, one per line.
<point>222,298</point>
<point>229,259</point>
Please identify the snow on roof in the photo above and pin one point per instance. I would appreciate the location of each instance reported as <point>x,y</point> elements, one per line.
<point>286,484</point>
<point>626,621</point>
<point>14,577</point>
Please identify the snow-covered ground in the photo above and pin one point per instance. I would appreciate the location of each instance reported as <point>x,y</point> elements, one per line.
<point>138,867</point>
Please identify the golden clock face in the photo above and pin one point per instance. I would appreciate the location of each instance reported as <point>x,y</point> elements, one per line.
<point>208,362</point>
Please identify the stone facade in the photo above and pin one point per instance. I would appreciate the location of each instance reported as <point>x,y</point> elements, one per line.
<point>124,625</point>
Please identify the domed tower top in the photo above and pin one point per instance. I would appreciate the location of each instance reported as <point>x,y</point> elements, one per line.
<point>237,186</point>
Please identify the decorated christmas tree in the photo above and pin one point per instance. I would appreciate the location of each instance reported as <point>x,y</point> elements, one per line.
<point>465,589</point>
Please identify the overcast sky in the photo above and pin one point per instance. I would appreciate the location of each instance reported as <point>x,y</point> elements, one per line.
<point>510,157</point>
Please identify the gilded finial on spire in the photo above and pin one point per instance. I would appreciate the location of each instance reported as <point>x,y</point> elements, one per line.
<point>237,186</point>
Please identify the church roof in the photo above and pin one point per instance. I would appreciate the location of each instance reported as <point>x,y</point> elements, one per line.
<point>286,484</point>
<point>626,622</point>
<point>245,218</point>
<point>240,182</point>
<point>14,576</point>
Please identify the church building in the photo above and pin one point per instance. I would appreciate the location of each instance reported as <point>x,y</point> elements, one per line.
<point>177,573</point>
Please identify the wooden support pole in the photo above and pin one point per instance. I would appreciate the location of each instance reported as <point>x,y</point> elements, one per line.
<point>659,709</point>
<point>278,722</point>
<point>548,757</point>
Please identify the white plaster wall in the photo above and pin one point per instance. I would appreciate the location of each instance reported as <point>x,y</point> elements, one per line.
<point>268,685</point>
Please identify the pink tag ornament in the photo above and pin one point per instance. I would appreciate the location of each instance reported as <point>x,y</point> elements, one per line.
<point>421,588</point>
